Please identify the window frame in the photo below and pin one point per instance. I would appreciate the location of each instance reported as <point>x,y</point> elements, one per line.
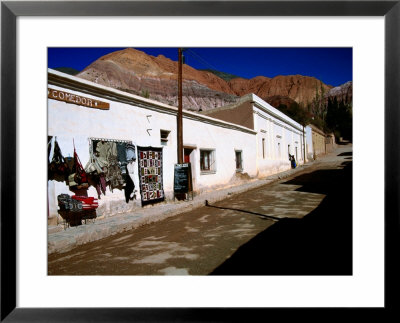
<point>212,161</point>
<point>263,147</point>
<point>239,169</point>
<point>164,141</point>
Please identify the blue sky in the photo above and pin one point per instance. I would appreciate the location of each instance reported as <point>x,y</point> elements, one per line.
<point>333,66</point>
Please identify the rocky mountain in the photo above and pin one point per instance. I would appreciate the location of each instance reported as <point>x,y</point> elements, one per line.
<point>136,72</point>
<point>277,100</point>
<point>343,93</point>
<point>301,89</point>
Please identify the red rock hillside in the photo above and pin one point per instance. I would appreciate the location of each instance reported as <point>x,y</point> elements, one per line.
<point>136,72</point>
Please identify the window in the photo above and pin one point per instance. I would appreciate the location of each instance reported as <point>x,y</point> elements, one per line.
<point>238,157</point>
<point>164,134</point>
<point>263,148</point>
<point>279,150</point>
<point>207,160</point>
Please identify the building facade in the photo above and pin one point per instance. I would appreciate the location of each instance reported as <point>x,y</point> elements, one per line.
<point>224,147</point>
<point>277,135</point>
<point>330,144</point>
<point>82,114</point>
<point>318,142</point>
<point>309,144</point>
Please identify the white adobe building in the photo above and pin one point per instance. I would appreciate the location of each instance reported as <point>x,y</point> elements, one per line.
<point>277,135</point>
<point>309,144</point>
<point>221,152</point>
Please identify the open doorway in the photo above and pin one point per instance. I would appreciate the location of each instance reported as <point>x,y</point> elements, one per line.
<point>189,157</point>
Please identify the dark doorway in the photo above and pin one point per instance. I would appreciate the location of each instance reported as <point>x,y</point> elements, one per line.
<point>189,157</point>
<point>186,154</point>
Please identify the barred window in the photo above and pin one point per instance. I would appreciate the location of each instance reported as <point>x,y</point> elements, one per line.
<point>263,148</point>
<point>207,160</point>
<point>164,134</point>
<point>239,162</point>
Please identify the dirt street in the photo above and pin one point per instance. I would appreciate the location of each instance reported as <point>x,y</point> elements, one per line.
<point>299,225</point>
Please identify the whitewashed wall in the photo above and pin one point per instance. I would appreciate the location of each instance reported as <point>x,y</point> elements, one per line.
<point>141,125</point>
<point>309,144</point>
<point>278,134</point>
<point>224,141</point>
<point>70,122</point>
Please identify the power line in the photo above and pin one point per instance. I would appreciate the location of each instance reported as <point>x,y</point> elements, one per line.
<point>200,59</point>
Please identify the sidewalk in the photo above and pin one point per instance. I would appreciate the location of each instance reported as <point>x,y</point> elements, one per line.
<point>60,240</point>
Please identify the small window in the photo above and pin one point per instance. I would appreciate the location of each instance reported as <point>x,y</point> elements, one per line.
<point>263,148</point>
<point>207,160</point>
<point>164,134</point>
<point>238,157</point>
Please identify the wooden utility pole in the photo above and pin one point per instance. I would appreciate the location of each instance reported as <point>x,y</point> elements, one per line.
<point>304,145</point>
<point>179,117</point>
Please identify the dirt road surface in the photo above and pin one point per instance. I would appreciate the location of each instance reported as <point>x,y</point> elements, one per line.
<point>300,225</point>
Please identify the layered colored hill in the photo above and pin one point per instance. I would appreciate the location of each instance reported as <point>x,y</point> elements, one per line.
<point>136,72</point>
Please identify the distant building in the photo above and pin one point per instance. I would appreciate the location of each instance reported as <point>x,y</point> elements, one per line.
<point>330,144</point>
<point>225,146</point>
<point>318,142</point>
<point>309,144</point>
<point>277,135</point>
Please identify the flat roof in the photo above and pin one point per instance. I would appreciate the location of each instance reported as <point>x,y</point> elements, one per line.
<point>75,83</point>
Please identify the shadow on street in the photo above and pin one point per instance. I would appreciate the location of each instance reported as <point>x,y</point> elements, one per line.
<point>349,153</point>
<point>318,244</point>
<point>270,217</point>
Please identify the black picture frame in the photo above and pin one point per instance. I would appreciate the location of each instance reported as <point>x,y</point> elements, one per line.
<point>10,10</point>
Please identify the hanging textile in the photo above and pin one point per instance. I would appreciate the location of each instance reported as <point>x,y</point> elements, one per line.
<point>150,174</point>
<point>130,153</point>
<point>94,166</point>
<point>78,179</point>
<point>50,148</point>
<point>121,155</point>
<point>129,187</point>
<point>107,158</point>
<point>71,164</point>
<point>58,169</point>
<point>108,166</point>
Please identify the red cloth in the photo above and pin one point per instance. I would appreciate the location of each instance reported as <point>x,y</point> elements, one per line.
<point>87,202</point>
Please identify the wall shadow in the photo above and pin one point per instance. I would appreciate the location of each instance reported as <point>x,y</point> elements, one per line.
<point>348,153</point>
<point>318,244</point>
<point>269,217</point>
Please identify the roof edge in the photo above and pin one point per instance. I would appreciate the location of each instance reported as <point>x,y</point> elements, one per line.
<point>74,83</point>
